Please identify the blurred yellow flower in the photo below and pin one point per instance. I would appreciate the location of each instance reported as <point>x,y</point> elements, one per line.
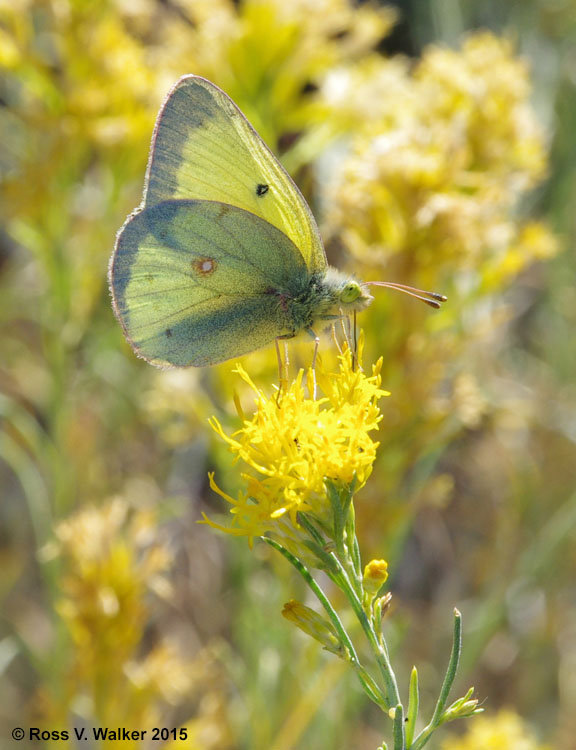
<point>293,445</point>
<point>503,731</point>
<point>110,563</point>
<point>111,560</point>
<point>162,673</point>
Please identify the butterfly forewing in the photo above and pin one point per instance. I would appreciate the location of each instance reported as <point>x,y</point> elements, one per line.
<point>204,148</point>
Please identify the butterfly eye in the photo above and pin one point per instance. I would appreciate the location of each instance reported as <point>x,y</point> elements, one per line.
<point>350,293</point>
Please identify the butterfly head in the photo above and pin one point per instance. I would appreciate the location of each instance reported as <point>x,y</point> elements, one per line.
<point>348,294</point>
<point>354,296</point>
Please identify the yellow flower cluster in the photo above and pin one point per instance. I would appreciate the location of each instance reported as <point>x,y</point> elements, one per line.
<point>293,444</point>
<point>503,730</point>
<point>442,154</point>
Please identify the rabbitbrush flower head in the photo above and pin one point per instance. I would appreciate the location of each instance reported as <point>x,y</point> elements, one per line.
<point>292,446</point>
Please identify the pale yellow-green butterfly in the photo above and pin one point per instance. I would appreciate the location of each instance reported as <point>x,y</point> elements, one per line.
<point>223,255</point>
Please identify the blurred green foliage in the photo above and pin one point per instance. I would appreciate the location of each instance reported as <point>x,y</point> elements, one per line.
<point>429,171</point>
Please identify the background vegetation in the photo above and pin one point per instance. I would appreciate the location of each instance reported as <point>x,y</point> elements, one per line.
<point>435,144</point>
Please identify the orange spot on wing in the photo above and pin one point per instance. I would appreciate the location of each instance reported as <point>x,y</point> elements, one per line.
<point>204,266</point>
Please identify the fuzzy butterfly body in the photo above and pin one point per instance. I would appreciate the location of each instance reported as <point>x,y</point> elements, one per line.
<point>223,256</point>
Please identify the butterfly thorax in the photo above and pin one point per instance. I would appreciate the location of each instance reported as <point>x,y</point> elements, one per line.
<point>325,295</point>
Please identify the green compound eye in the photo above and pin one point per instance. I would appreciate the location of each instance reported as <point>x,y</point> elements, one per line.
<point>350,292</point>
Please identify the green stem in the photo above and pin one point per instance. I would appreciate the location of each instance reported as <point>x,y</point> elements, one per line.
<point>378,645</point>
<point>333,493</point>
<point>367,682</point>
<point>349,587</point>
<point>353,551</point>
<point>371,688</point>
<point>344,536</point>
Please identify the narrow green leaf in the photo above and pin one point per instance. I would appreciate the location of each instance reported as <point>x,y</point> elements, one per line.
<point>398,728</point>
<point>413,705</point>
<point>452,668</point>
<point>308,524</point>
<point>325,559</point>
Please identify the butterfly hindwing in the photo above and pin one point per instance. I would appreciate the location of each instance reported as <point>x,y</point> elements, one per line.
<point>199,282</point>
<point>205,149</point>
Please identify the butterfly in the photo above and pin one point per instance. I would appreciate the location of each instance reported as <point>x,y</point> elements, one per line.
<point>223,256</point>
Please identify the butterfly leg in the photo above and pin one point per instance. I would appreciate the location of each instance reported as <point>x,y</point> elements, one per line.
<point>286,358</point>
<point>314,358</point>
<point>282,369</point>
<point>335,338</point>
<point>350,332</point>
<point>345,321</point>
<point>355,342</point>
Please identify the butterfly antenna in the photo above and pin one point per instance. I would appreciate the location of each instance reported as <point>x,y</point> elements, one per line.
<point>433,299</point>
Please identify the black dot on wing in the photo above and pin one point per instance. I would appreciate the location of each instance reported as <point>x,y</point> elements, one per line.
<point>262,189</point>
<point>168,333</point>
